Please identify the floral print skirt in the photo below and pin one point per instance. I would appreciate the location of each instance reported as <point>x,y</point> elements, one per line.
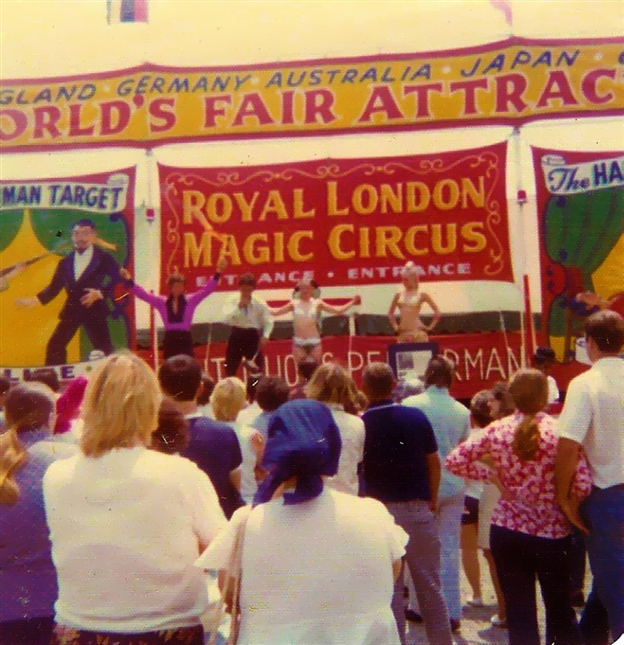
<point>182,636</point>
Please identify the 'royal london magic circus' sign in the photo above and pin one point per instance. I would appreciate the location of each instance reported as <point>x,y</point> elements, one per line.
<point>340,220</point>
<point>510,82</point>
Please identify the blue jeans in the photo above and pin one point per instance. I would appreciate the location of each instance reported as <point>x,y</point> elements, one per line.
<point>594,623</point>
<point>449,527</point>
<point>603,511</point>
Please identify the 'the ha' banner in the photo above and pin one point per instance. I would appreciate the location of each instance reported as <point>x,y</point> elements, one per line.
<point>62,243</point>
<point>580,205</point>
<point>340,220</point>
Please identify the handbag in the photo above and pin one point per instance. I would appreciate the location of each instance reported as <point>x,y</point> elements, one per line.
<point>230,594</point>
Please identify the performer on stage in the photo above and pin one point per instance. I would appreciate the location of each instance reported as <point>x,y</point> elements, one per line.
<point>88,275</point>
<point>176,309</point>
<point>306,311</point>
<point>409,302</point>
<point>251,324</point>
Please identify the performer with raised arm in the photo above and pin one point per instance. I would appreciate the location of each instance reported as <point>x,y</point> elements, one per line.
<point>176,309</point>
<point>306,311</point>
<point>409,302</point>
<point>251,324</point>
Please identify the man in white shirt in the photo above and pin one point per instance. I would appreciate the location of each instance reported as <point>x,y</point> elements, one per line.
<point>251,324</point>
<point>88,275</point>
<point>593,419</point>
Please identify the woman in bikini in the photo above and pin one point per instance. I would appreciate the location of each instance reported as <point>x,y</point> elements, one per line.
<point>409,302</point>
<point>306,312</point>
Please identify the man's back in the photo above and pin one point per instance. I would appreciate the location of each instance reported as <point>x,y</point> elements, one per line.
<point>398,440</point>
<point>592,416</point>
<point>214,447</point>
<point>451,425</point>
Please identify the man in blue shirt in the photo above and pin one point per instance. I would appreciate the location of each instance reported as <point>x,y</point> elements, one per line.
<point>213,445</point>
<point>401,468</point>
<point>451,424</point>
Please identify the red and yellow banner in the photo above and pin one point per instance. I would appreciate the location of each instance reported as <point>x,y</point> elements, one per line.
<point>580,205</point>
<point>341,220</point>
<point>509,82</point>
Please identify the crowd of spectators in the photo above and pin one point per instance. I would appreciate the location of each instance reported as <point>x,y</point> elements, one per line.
<point>125,497</point>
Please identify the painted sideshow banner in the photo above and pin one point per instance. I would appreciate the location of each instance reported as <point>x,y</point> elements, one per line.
<point>62,242</point>
<point>508,82</point>
<point>340,220</point>
<point>580,205</point>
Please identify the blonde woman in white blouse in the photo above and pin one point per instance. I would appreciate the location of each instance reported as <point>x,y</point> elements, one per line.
<point>126,523</point>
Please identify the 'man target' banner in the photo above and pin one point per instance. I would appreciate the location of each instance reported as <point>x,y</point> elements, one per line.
<point>341,220</point>
<point>62,243</point>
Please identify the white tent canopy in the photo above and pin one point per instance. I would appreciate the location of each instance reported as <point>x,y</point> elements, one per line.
<point>43,38</point>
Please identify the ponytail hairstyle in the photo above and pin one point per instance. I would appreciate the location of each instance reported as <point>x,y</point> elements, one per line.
<point>529,389</point>
<point>28,406</point>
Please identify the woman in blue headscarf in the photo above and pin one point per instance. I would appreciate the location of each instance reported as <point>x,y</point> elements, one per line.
<point>317,565</point>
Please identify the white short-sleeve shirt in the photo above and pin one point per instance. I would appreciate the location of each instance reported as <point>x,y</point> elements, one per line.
<point>316,572</point>
<point>593,415</point>
<point>352,436</point>
<point>126,529</point>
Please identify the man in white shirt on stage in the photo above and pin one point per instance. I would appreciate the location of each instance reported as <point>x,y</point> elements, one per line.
<point>251,324</point>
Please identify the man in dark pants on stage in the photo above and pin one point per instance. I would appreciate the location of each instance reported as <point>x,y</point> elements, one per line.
<point>251,324</point>
<point>88,274</point>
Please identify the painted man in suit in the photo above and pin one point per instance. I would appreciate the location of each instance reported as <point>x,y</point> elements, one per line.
<point>88,275</point>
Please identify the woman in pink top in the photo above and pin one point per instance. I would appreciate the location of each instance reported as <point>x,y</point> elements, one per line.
<point>177,309</point>
<point>530,535</point>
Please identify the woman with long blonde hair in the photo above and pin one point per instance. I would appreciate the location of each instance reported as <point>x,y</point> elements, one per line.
<point>28,586</point>
<point>530,536</point>
<point>126,522</point>
<point>332,384</point>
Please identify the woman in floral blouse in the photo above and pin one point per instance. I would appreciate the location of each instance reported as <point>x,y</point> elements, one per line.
<point>530,535</point>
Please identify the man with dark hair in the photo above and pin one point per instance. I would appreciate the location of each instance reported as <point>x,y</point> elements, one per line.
<point>213,445</point>
<point>591,421</point>
<point>543,360</point>
<point>88,275</point>
<point>271,392</point>
<point>305,369</point>
<point>180,378</point>
<point>450,421</point>
<point>251,324</point>
<point>47,376</point>
<point>401,469</point>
